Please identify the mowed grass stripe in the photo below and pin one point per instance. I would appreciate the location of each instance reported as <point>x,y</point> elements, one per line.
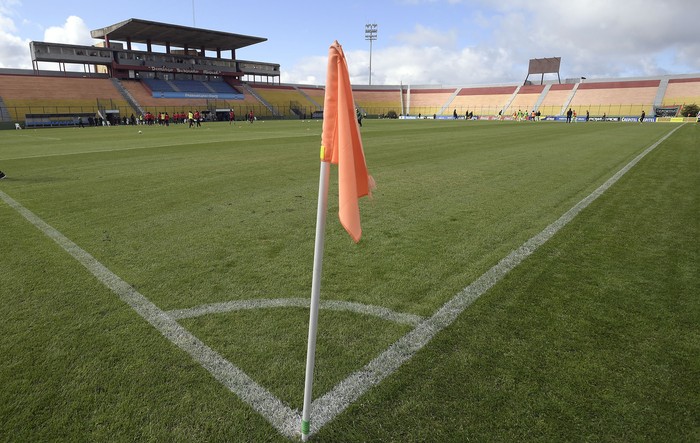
<point>350,389</point>
<point>166,218</point>
<point>277,413</point>
<point>593,338</point>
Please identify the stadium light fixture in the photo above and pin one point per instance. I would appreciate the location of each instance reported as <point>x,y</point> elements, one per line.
<point>371,35</point>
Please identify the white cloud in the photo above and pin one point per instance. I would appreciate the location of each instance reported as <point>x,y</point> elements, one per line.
<point>424,56</point>
<point>595,38</point>
<point>308,71</point>
<point>14,51</point>
<point>603,38</point>
<point>73,32</point>
<point>425,36</point>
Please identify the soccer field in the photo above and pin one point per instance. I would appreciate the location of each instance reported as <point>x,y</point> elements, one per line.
<point>155,286</point>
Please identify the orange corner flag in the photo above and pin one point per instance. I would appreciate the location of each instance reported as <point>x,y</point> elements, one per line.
<point>341,143</point>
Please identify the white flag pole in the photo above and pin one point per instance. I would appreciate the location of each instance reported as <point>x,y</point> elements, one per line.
<point>315,296</point>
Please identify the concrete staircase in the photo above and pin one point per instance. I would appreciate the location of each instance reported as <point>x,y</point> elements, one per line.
<point>658,100</point>
<point>568,99</point>
<point>540,99</point>
<point>4,112</point>
<point>510,100</point>
<point>265,103</point>
<point>449,101</point>
<point>127,96</point>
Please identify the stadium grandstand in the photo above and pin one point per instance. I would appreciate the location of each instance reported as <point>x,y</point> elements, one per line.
<point>176,68</point>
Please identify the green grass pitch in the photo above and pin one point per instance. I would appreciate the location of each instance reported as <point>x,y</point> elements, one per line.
<point>594,337</point>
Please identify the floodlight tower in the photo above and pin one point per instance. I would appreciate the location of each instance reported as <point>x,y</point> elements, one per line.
<point>371,35</point>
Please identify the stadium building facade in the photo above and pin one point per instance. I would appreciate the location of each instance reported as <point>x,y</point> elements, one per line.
<point>184,53</point>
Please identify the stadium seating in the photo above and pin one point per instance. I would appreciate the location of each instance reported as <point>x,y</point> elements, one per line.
<point>482,101</point>
<point>615,98</point>
<point>557,97</point>
<point>73,95</point>
<point>426,101</point>
<point>28,94</point>
<point>157,85</point>
<point>315,94</point>
<point>682,91</point>
<point>286,101</point>
<point>526,99</point>
<point>222,87</point>
<point>190,86</point>
<point>378,101</point>
<point>145,98</point>
<point>25,87</point>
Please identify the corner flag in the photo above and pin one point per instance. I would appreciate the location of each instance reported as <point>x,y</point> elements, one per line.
<point>340,144</point>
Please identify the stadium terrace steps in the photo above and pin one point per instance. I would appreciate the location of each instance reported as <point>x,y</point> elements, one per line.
<point>426,101</point>
<point>26,94</point>
<point>222,87</point>
<point>541,97</point>
<point>128,97</point>
<point>195,86</point>
<point>569,98</point>
<point>250,90</point>
<point>445,107</point>
<point>660,92</point>
<point>26,87</point>
<point>316,94</point>
<point>558,94</point>
<point>143,96</point>
<point>527,98</point>
<point>189,86</point>
<point>630,97</point>
<point>378,101</point>
<point>483,100</point>
<point>682,91</point>
<point>286,100</point>
<point>511,99</point>
<point>4,112</point>
<point>308,97</point>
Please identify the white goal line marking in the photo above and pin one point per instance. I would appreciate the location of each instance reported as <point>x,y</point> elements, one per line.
<point>327,407</point>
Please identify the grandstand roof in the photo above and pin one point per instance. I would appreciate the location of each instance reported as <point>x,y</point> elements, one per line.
<point>144,31</point>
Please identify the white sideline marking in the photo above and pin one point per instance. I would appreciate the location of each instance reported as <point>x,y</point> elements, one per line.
<point>327,407</point>
<point>335,305</point>
<point>229,375</point>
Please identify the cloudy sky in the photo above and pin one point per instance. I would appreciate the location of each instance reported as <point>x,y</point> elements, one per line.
<point>419,42</point>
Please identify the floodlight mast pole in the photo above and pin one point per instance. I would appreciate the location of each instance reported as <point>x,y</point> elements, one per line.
<point>371,35</point>
<point>194,25</point>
